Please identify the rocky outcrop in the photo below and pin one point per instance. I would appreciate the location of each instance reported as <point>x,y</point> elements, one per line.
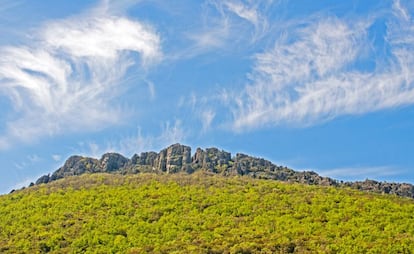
<point>174,159</point>
<point>400,189</point>
<point>177,158</point>
<point>76,165</point>
<point>112,162</point>
<point>212,160</point>
<point>245,165</point>
<point>43,179</point>
<point>145,159</point>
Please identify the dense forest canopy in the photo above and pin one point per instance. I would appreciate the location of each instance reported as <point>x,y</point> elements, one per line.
<point>201,213</point>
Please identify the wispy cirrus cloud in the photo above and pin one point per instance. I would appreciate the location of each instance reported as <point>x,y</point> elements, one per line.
<point>213,35</point>
<point>252,13</point>
<point>128,145</point>
<point>312,74</point>
<point>69,77</point>
<point>228,25</point>
<point>244,12</point>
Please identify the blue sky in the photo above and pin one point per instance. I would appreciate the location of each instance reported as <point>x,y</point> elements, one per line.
<point>314,85</point>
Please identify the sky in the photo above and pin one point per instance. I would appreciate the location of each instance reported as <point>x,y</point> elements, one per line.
<point>316,85</point>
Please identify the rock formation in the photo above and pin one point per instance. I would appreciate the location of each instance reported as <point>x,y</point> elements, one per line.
<point>112,162</point>
<point>177,158</point>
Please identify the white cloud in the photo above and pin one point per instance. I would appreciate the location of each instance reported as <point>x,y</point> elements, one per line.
<point>310,76</point>
<point>249,12</point>
<point>203,108</point>
<point>102,37</point>
<point>151,89</point>
<point>56,157</point>
<point>69,77</point>
<point>213,35</point>
<point>170,134</point>
<point>227,25</point>
<point>244,12</point>
<point>207,117</point>
<point>95,150</point>
<point>401,11</point>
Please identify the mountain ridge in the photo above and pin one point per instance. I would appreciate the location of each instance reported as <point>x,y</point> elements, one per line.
<point>177,158</point>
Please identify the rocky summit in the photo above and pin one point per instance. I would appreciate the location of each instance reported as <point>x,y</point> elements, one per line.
<point>177,158</point>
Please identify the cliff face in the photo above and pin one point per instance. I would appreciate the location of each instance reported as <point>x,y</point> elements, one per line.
<point>177,158</point>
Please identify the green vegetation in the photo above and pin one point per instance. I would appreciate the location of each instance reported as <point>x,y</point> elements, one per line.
<point>147,213</point>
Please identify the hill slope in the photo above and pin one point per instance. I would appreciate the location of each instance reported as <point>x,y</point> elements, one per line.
<point>201,213</point>
<point>177,159</point>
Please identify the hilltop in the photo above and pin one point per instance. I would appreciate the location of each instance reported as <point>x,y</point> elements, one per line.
<point>177,158</point>
<point>201,213</point>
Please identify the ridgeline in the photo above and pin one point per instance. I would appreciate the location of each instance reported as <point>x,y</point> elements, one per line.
<point>177,158</point>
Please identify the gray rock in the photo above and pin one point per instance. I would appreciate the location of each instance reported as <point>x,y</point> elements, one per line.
<point>145,159</point>
<point>244,164</point>
<point>43,179</point>
<point>76,165</point>
<point>212,160</point>
<point>177,158</point>
<point>112,162</point>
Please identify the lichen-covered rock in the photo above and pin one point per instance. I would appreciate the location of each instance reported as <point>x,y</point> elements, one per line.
<point>145,162</point>
<point>77,165</point>
<point>177,157</point>
<point>145,159</point>
<point>312,178</point>
<point>244,164</point>
<point>199,158</point>
<point>112,162</point>
<point>173,159</point>
<point>212,160</point>
<point>161,161</point>
<point>399,189</point>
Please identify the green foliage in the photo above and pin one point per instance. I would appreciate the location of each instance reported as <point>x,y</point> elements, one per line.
<point>146,213</point>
